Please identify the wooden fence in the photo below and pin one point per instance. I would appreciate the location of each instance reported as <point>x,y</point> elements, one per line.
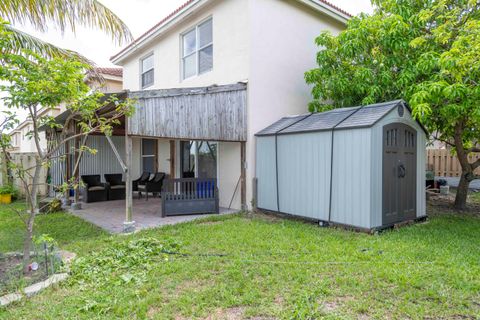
<point>444,164</point>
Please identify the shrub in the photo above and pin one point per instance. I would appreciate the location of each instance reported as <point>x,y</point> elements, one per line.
<point>9,189</point>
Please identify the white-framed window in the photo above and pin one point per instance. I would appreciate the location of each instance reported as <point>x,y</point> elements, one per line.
<point>197,50</point>
<point>149,155</point>
<point>147,71</point>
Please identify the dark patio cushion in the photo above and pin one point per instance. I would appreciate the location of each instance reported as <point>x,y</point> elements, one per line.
<point>96,188</point>
<point>92,180</point>
<point>114,179</point>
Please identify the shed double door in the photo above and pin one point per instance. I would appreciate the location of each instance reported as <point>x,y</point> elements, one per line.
<point>399,173</point>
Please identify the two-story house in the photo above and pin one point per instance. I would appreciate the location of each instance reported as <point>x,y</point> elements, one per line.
<point>212,74</point>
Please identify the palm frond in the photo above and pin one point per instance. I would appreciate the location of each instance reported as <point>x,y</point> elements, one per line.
<point>65,14</point>
<point>19,41</point>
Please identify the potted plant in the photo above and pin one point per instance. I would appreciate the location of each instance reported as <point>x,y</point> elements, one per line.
<point>6,194</point>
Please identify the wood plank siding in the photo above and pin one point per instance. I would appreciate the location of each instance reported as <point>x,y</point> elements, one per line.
<point>209,113</point>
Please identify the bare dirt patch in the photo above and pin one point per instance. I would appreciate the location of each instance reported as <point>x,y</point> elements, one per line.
<point>152,311</point>
<point>191,285</point>
<point>11,274</point>
<point>210,223</point>
<point>268,217</point>
<point>335,304</point>
<point>439,204</point>
<point>235,313</point>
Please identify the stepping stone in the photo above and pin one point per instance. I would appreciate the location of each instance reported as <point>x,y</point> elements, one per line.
<point>9,298</point>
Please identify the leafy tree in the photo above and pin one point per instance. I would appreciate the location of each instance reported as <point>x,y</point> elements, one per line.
<point>62,14</point>
<point>424,51</point>
<point>36,83</point>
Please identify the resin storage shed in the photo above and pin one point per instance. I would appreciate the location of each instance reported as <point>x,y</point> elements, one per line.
<point>362,166</point>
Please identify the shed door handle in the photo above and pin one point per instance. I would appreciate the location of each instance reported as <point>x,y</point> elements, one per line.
<point>402,171</point>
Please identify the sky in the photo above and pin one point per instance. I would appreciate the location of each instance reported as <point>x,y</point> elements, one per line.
<point>139,16</point>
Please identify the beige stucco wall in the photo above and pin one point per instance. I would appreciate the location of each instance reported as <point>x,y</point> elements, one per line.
<point>164,156</point>
<point>230,50</point>
<point>109,85</point>
<point>282,35</point>
<point>228,171</point>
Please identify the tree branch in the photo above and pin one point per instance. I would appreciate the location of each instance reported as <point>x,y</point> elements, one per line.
<point>33,114</point>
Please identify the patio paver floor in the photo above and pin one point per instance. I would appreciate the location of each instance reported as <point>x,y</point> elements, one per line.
<point>110,215</point>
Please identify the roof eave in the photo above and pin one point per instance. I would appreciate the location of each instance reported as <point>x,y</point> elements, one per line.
<point>327,10</point>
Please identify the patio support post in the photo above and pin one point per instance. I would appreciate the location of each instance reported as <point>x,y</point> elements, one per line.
<point>243,175</point>
<point>129,224</point>
<point>172,159</point>
<point>67,175</point>
<point>76,202</point>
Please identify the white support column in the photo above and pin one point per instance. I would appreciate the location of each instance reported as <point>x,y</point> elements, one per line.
<point>129,224</point>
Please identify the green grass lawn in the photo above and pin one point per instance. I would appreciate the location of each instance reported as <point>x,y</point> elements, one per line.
<point>475,197</point>
<point>258,267</point>
<point>70,232</point>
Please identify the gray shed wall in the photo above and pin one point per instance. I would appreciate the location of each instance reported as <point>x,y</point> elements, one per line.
<point>377,161</point>
<point>351,203</point>
<point>304,163</point>
<point>304,174</point>
<point>266,173</point>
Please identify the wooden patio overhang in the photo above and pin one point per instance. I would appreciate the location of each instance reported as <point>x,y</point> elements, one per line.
<point>214,113</point>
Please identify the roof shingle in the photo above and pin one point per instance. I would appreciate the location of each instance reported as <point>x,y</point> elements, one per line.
<point>117,72</point>
<point>354,117</point>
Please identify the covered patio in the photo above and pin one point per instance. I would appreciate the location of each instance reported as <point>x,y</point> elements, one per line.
<point>110,215</point>
<point>188,143</point>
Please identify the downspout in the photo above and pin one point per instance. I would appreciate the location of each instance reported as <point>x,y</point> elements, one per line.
<point>331,162</point>
<point>276,156</point>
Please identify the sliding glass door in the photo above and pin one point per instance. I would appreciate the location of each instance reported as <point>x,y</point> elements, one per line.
<point>199,159</point>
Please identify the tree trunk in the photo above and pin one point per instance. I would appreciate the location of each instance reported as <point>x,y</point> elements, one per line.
<point>462,192</point>
<point>33,206</point>
<point>467,168</point>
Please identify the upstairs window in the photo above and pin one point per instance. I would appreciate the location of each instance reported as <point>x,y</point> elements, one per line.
<point>197,50</point>
<point>147,71</point>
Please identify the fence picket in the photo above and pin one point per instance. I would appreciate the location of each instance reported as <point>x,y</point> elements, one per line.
<point>445,164</point>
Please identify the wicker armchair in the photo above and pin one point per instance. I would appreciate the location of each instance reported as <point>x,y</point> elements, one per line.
<point>116,187</point>
<point>94,190</point>
<point>153,186</point>
<point>140,181</point>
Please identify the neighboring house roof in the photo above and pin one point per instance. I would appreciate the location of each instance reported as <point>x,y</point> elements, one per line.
<point>344,118</point>
<point>117,72</point>
<point>320,5</point>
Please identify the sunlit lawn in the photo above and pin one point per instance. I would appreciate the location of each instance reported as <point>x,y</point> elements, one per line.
<point>272,268</point>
